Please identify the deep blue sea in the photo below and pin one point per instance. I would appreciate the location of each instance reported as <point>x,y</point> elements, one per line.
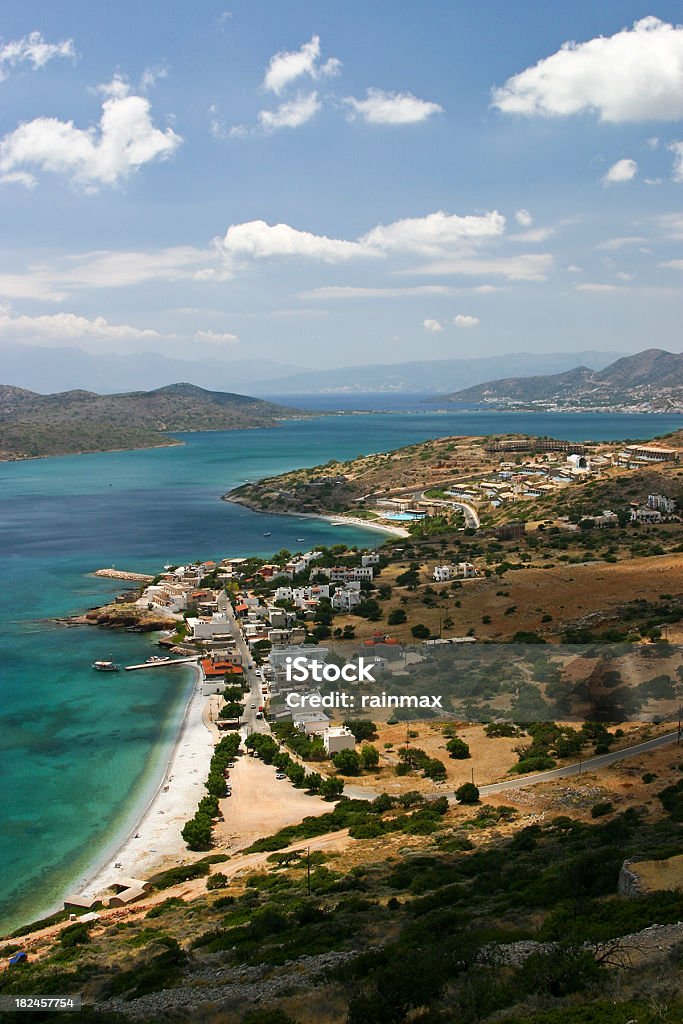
<point>80,752</point>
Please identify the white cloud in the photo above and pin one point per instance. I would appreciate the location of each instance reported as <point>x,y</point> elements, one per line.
<point>381,107</point>
<point>677,149</point>
<point>285,67</point>
<point>597,288</point>
<point>634,75</point>
<point>533,235</point>
<point>614,244</point>
<point>432,325</point>
<point>528,267</point>
<point>260,240</point>
<point>34,50</point>
<point>435,233</point>
<point>291,114</point>
<point>671,225</point>
<point>150,76</point>
<point>622,170</point>
<point>62,327</point>
<point>125,140</point>
<point>524,218</point>
<point>216,338</point>
<point>351,292</point>
<point>466,321</point>
<point>114,270</point>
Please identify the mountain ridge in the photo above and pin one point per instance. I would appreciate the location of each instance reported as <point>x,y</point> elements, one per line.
<point>652,378</point>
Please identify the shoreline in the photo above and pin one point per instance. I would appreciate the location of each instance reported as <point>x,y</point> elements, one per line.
<point>154,837</point>
<point>338,519</point>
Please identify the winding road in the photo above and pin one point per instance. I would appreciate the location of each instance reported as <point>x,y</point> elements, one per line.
<point>591,764</point>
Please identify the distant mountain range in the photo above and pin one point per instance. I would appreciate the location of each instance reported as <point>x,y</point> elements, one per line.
<point>82,421</point>
<point>648,381</point>
<point>60,369</point>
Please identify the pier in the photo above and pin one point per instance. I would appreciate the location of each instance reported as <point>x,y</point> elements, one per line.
<point>163,663</point>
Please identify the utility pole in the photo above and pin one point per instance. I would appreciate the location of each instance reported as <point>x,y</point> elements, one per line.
<point>309,870</point>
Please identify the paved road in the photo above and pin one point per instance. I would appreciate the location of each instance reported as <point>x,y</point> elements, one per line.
<point>469,511</point>
<point>591,764</point>
<point>250,723</point>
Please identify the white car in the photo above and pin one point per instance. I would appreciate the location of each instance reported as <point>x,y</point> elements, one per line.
<point>253,707</point>
<point>280,775</point>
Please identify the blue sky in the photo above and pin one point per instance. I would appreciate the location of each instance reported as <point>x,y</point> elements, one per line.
<point>326,184</point>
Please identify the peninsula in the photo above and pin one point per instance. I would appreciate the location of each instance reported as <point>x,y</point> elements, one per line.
<point>34,425</point>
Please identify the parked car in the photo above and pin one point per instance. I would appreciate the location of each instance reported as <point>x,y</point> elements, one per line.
<point>280,775</point>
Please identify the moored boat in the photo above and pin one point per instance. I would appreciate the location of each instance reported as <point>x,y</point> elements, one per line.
<point>106,666</point>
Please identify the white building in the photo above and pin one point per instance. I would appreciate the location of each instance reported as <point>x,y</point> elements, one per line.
<point>463,571</point>
<point>370,559</point>
<point>338,738</point>
<point>210,628</point>
<point>347,598</point>
<point>578,464</point>
<point>341,574</point>
<point>168,597</point>
<point>313,723</point>
<point>661,503</point>
<point>645,515</point>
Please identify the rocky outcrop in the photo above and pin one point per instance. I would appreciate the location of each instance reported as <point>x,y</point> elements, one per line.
<point>629,882</point>
<point>129,617</point>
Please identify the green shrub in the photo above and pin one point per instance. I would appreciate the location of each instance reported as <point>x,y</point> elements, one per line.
<point>599,810</point>
<point>217,881</point>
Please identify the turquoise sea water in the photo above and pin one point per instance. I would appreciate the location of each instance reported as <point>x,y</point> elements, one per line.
<point>80,751</point>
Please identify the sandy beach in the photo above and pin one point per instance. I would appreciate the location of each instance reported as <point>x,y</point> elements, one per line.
<point>155,840</point>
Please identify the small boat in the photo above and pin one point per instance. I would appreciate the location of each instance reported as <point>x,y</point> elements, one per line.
<point>154,659</point>
<point>106,666</point>
<point>267,534</point>
<point>300,540</point>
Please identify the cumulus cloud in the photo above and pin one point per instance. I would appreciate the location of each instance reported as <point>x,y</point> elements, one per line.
<point>32,49</point>
<point>291,114</point>
<point>216,337</point>
<point>622,170</point>
<point>461,320</point>
<point>435,233</point>
<point>524,218</point>
<point>60,327</point>
<point>124,140</point>
<point>381,107</point>
<point>286,66</point>
<point>259,240</point>
<point>432,325</point>
<point>633,75</point>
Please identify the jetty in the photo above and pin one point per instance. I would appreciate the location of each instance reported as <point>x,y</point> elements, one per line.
<point>163,663</point>
<point>123,574</point>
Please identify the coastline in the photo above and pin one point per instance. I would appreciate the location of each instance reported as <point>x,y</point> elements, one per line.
<point>154,839</point>
<point>337,520</point>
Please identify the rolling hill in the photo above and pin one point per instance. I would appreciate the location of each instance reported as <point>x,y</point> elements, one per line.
<point>32,425</point>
